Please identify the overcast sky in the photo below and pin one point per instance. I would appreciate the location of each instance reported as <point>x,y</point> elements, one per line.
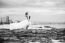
<point>40,10</point>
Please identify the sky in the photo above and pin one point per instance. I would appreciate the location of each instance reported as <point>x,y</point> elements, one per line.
<point>40,10</point>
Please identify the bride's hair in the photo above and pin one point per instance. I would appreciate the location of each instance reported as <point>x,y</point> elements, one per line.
<point>27,16</point>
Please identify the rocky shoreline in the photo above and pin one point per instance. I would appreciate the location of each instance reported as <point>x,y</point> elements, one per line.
<point>32,35</point>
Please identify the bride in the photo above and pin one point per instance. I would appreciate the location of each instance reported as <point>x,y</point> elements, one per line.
<point>19,25</point>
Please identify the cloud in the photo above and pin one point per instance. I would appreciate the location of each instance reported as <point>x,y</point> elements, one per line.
<point>36,3</point>
<point>11,3</point>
